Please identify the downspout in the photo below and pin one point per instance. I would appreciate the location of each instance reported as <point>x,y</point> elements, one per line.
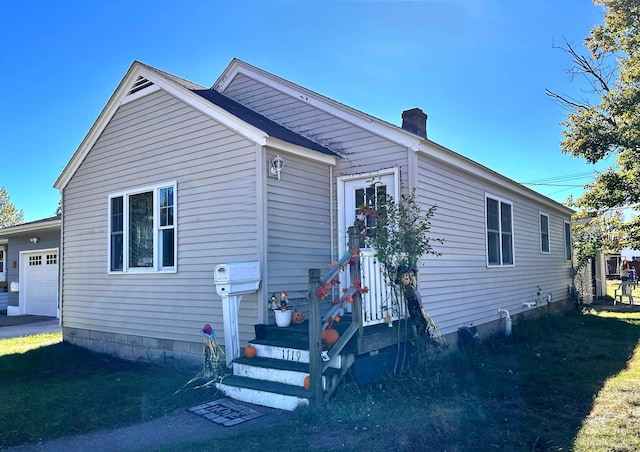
<point>332,214</point>
<point>61,263</point>
<point>507,321</point>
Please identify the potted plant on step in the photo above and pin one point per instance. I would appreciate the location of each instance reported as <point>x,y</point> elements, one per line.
<point>280,310</point>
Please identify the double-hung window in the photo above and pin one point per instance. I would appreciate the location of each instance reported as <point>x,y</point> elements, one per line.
<point>544,233</point>
<point>142,229</point>
<point>568,251</point>
<point>499,218</point>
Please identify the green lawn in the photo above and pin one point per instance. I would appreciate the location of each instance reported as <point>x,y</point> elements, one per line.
<point>559,383</point>
<point>612,285</point>
<point>52,389</point>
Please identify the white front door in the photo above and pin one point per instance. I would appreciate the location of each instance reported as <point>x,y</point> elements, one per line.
<point>354,193</point>
<point>362,191</point>
<point>39,285</point>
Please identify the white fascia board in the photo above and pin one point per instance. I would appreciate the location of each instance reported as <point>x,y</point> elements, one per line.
<point>30,227</point>
<point>285,146</point>
<point>210,109</point>
<point>451,158</point>
<point>118,98</point>
<point>319,101</point>
<point>99,125</point>
<point>379,127</point>
<point>203,105</point>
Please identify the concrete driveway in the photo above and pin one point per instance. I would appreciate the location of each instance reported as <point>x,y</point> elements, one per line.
<point>26,325</point>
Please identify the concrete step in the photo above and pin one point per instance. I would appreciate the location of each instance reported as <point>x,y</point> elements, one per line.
<point>266,393</point>
<point>269,369</point>
<point>275,376</point>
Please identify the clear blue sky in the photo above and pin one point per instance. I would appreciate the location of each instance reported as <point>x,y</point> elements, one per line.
<point>478,68</point>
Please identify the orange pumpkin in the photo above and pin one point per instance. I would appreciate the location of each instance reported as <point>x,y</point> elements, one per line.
<point>250,351</point>
<point>307,382</point>
<point>330,336</point>
<point>297,317</point>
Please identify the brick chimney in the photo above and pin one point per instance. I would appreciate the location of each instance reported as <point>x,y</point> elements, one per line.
<point>415,121</point>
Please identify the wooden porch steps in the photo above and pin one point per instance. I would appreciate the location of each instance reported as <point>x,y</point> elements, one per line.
<point>275,377</point>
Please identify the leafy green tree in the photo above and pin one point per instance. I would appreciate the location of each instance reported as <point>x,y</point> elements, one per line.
<point>401,238</point>
<point>608,122</point>
<point>605,233</point>
<point>9,215</point>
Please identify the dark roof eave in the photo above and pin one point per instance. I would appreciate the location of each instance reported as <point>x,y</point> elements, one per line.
<point>46,223</point>
<point>263,123</point>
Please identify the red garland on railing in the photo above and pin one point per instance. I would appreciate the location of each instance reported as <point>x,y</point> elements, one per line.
<point>323,290</point>
<point>347,297</point>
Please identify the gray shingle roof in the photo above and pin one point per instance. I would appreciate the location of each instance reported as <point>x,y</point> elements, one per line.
<point>261,122</point>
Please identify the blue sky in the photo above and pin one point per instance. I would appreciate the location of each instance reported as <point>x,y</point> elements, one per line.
<point>478,68</point>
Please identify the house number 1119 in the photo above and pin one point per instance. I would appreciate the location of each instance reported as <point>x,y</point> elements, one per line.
<point>291,355</point>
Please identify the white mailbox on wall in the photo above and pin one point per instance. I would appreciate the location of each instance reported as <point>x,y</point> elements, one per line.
<point>232,281</point>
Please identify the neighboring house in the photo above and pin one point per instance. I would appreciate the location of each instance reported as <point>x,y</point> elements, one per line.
<point>611,262</point>
<point>175,178</point>
<point>29,263</point>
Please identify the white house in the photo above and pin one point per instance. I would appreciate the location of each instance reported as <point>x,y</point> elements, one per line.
<point>174,179</point>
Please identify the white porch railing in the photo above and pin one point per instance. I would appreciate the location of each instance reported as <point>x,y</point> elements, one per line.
<point>377,302</point>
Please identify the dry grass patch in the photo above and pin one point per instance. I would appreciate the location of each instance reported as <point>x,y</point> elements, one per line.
<point>26,343</point>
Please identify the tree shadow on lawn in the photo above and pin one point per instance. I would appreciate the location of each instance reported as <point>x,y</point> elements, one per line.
<point>63,389</point>
<point>531,391</point>
<point>562,362</point>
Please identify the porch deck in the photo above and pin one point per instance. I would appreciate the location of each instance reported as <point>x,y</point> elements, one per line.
<point>371,339</point>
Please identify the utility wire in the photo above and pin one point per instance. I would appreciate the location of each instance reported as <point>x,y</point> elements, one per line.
<point>563,178</point>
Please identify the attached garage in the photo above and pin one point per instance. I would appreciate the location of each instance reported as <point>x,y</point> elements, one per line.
<point>31,267</point>
<point>39,282</point>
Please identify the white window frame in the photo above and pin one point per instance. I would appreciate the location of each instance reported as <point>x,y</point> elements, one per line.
<point>542,233</point>
<point>501,232</point>
<point>3,262</point>
<point>156,266</point>
<point>568,245</point>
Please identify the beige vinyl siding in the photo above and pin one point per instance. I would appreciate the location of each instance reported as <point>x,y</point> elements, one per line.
<point>298,224</point>
<point>152,140</point>
<point>458,288</point>
<point>363,150</point>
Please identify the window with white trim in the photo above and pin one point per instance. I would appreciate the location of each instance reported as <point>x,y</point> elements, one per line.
<point>142,230</point>
<point>499,223</point>
<point>568,250</point>
<point>544,233</point>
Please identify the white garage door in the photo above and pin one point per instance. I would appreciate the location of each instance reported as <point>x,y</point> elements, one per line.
<point>40,284</point>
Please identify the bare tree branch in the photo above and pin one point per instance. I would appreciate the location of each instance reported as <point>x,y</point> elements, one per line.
<point>565,101</point>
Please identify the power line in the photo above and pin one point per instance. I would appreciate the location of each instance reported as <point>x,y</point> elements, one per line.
<point>563,178</point>
<point>555,185</point>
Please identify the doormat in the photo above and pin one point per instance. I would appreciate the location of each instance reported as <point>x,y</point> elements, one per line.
<point>225,412</point>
